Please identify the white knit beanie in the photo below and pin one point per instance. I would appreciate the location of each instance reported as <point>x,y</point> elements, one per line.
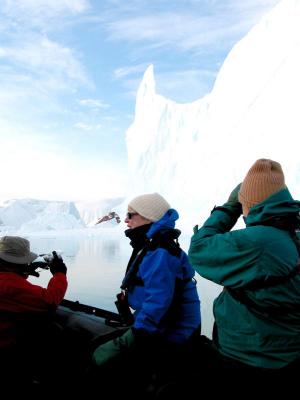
<point>151,206</point>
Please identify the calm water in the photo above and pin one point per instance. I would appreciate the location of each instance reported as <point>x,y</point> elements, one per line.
<point>96,261</point>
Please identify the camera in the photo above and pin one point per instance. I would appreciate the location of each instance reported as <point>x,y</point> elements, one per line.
<point>44,260</point>
<point>48,258</point>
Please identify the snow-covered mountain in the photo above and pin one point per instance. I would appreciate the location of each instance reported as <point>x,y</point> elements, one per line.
<point>29,215</point>
<point>195,153</point>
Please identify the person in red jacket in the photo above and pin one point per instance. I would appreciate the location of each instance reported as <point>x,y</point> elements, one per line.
<point>26,310</point>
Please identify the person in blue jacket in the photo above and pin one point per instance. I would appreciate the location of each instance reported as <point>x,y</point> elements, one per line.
<point>160,286</point>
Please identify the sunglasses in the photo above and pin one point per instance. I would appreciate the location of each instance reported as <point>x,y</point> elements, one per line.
<point>129,215</point>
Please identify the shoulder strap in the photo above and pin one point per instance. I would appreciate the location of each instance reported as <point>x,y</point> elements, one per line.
<point>240,294</point>
<point>165,241</point>
<point>290,225</point>
<point>130,279</point>
<point>272,280</point>
<point>267,312</point>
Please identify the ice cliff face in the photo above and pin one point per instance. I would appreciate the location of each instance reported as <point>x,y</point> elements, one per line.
<point>195,153</point>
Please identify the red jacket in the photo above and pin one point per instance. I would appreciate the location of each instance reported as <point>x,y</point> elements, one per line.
<point>18,297</point>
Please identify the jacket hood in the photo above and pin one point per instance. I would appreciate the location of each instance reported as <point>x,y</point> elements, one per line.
<point>278,204</point>
<point>167,221</point>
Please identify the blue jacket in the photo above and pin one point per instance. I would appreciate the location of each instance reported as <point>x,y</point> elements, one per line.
<point>158,310</point>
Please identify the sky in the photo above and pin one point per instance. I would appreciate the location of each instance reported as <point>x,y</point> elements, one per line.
<point>69,72</point>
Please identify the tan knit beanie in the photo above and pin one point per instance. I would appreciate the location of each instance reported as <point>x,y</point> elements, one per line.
<point>263,179</point>
<point>151,206</point>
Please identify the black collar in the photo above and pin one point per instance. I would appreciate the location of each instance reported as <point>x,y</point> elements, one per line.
<point>138,236</point>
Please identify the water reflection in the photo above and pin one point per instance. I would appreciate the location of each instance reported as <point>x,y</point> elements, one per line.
<point>110,250</point>
<point>96,261</point>
<point>46,244</point>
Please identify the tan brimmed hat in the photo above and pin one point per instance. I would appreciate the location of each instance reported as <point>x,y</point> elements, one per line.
<point>16,250</point>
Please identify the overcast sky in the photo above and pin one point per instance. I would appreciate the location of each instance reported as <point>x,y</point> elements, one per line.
<point>69,71</point>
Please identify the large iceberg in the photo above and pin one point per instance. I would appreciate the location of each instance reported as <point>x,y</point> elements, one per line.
<point>195,153</point>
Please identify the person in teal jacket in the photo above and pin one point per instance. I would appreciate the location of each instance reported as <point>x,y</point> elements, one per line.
<point>257,315</point>
<point>160,286</point>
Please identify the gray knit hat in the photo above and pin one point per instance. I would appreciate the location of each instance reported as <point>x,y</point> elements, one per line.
<point>151,206</point>
<point>16,250</point>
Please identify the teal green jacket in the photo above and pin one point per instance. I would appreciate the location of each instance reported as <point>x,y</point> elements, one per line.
<point>267,335</point>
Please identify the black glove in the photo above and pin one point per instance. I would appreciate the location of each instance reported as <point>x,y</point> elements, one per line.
<point>147,345</point>
<point>57,264</point>
<point>145,339</point>
<point>140,334</point>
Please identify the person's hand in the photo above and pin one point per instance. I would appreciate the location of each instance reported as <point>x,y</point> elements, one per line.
<point>140,334</point>
<point>111,350</point>
<point>233,201</point>
<point>145,340</point>
<point>233,197</point>
<point>57,264</point>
